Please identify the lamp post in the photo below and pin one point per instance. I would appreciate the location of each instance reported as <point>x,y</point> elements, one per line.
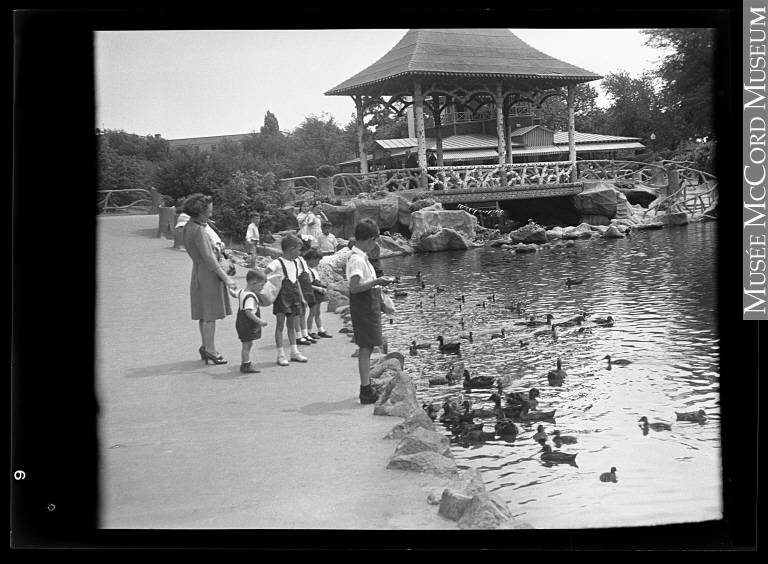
<point>653,141</point>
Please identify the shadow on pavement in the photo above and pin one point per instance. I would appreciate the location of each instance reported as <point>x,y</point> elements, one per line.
<point>326,407</point>
<point>149,233</point>
<point>222,372</point>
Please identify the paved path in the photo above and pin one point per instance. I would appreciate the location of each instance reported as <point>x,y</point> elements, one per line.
<point>189,445</point>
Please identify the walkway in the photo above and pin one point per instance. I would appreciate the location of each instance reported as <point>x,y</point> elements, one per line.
<point>185,445</point>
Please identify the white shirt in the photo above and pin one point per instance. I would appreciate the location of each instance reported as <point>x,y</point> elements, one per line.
<point>290,266</point>
<point>253,233</point>
<point>327,243</point>
<point>358,265</point>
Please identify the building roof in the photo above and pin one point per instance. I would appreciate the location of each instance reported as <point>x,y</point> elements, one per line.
<point>463,53</point>
<point>469,141</point>
<point>206,140</point>
<point>562,137</point>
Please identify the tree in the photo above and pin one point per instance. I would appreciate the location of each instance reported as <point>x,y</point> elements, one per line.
<point>183,174</point>
<point>319,141</point>
<point>270,127</point>
<point>686,73</point>
<point>588,117</point>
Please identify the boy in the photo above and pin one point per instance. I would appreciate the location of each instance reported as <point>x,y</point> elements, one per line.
<point>318,288</point>
<point>252,234</point>
<point>248,322</point>
<point>365,303</point>
<point>327,241</point>
<point>290,300</point>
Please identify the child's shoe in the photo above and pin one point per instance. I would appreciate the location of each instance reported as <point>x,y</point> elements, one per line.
<point>368,394</point>
<point>314,336</point>
<point>298,357</point>
<point>248,369</point>
<point>303,341</point>
<point>281,360</point>
<point>325,335</point>
<point>311,339</point>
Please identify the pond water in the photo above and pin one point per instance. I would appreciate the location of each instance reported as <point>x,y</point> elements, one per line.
<point>661,289</point>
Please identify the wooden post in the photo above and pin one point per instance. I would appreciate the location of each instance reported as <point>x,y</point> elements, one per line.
<point>507,137</point>
<point>361,134</point>
<point>673,184</point>
<point>571,135</point>
<point>501,146</point>
<point>438,129</point>
<point>418,115</point>
<point>167,222</point>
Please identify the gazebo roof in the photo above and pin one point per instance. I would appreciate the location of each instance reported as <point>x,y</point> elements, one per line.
<point>463,53</point>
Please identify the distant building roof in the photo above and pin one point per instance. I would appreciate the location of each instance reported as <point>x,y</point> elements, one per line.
<point>206,140</point>
<point>463,52</point>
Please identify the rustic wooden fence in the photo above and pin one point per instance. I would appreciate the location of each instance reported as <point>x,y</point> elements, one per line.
<point>124,200</point>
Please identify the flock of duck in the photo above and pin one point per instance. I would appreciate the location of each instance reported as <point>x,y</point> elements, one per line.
<point>467,423</point>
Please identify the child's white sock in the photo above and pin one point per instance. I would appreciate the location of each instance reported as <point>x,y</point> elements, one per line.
<point>304,333</point>
<point>294,348</point>
<point>320,330</point>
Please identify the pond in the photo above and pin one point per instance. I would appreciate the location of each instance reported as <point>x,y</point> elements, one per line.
<point>661,289</point>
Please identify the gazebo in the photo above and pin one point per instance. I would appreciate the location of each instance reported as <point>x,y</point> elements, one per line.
<point>438,68</point>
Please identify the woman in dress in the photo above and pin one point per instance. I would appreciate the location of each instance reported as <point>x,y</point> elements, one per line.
<point>208,288</point>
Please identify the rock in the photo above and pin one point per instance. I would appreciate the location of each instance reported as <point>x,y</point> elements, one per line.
<point>384,211</point>
<point>337,262</point>
<point>394,246</point>
<point>394,355</point>
<point>521,248</point>
<point>453,504</point>
<point>599,198</point>
<point>435,216</point>
<point>486,511</point>
<point>418,419</point>
<point>650,224</point>
<point>398,398</point>
<point>641,194</point>
<point>582,231</point>
<point>594,219</point>
<point>429,462</point>
<point>528,237</point>
<point>392,364</point>
<point>612,233</point>
<point>343,219</point>
<point>673,218</point>
<point>555,233</point>
<point>435,496</point>
<point>424,440</point>
<point>444,240</point>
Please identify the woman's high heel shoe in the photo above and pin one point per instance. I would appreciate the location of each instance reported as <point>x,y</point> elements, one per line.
<point>214,359</point>
<point>202,353</point>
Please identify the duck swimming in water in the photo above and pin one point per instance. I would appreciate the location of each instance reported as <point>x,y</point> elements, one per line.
<point>619,361</point>
<point>400,294</point>
<point>559,439</point>
<point>430,410</point>
<point>609,476</point>
<point>524,343</point>
<point>478,382</point>
<point>501,335</point>
<point>654,426</point>
<point>519,398</point>
<point>558,374</point>
<point>573,282</point>
<point>526,415</point>
<point>448,347</point>
<point>470,434</point>
<point>509,411</point>
<point>698,416</point>
<point>570,323</point>
<point>533,323</point>
<point>540,436</point>
<point>604,321</point>
<point>556,457</point>
<point>421,345</point>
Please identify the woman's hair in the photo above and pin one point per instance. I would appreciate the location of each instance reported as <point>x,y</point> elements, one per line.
<point>255,274</point>
<point>196,204</point>
<point>313,254</point>
<point>366,229</point>
<point>290,240</point>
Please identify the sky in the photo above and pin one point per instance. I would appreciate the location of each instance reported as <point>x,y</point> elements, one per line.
<point>203,83</point>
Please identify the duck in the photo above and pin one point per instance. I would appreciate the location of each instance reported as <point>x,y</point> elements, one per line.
<point>609,476</point>
<point>448,412</point>
<point>531,319</point>
<point>518,398</point>
<point>416,345</point>
<point>481,304</point>
<point>509,411</point>
<point>698,416</point>
<point>558,374</point>
<point>470,434</point>
<point>460,299</point>
<point>604,321</point>
<point>501,335</point>
<point>559,439</point>
<point>540,436</point>
<point>576,321</point>
<point>505,427</point>
<point>573,282</point>
<point>443,380</point>
<point>430,410</point>
<point>556,457</point>
<point>552,331</point>
<point>454,417</point>
<point>412,349</point>
<point>448,347</point>
<point>480,382</point>
<point>534,323</point>
<point>423,286</point>
<point>654,426</point>
<point>524,343</point>
<point>439,290</point>
<point>469,337</point>
<point>457,429</point>
<point>400,294</point>
<point>526,415</point>
<point>619,361</point>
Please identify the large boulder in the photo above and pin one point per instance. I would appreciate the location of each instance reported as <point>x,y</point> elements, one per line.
<point>418,419</point>
<point>599,198</point>
<point>428,462</point>
<point>612,232</point>
<point>486,511</point>
<point>424,440</point>
<point>443,240</point>
<point>581,231</point>
<point>594,219</point>
<point>384,211</point>
<point>343,219</point>
<point>398,398</point>
<point>457,497</point>
<point>535,236</point>
<point>391,246</point>
<point>436,217</point>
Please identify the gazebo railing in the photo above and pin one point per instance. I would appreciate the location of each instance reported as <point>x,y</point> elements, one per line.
<point>107,197</point>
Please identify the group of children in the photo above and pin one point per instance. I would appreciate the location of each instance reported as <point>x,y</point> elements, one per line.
<point>297,306</point>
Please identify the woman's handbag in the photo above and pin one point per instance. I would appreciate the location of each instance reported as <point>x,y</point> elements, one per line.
<point>387,305</point>
<point>271,289</point>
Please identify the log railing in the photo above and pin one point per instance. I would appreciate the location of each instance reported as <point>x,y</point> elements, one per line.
<point>145,199</point>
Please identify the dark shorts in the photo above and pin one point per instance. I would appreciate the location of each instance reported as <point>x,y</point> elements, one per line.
<point>365,311</point>
<point>247,330</point>
<point>289,299</point>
